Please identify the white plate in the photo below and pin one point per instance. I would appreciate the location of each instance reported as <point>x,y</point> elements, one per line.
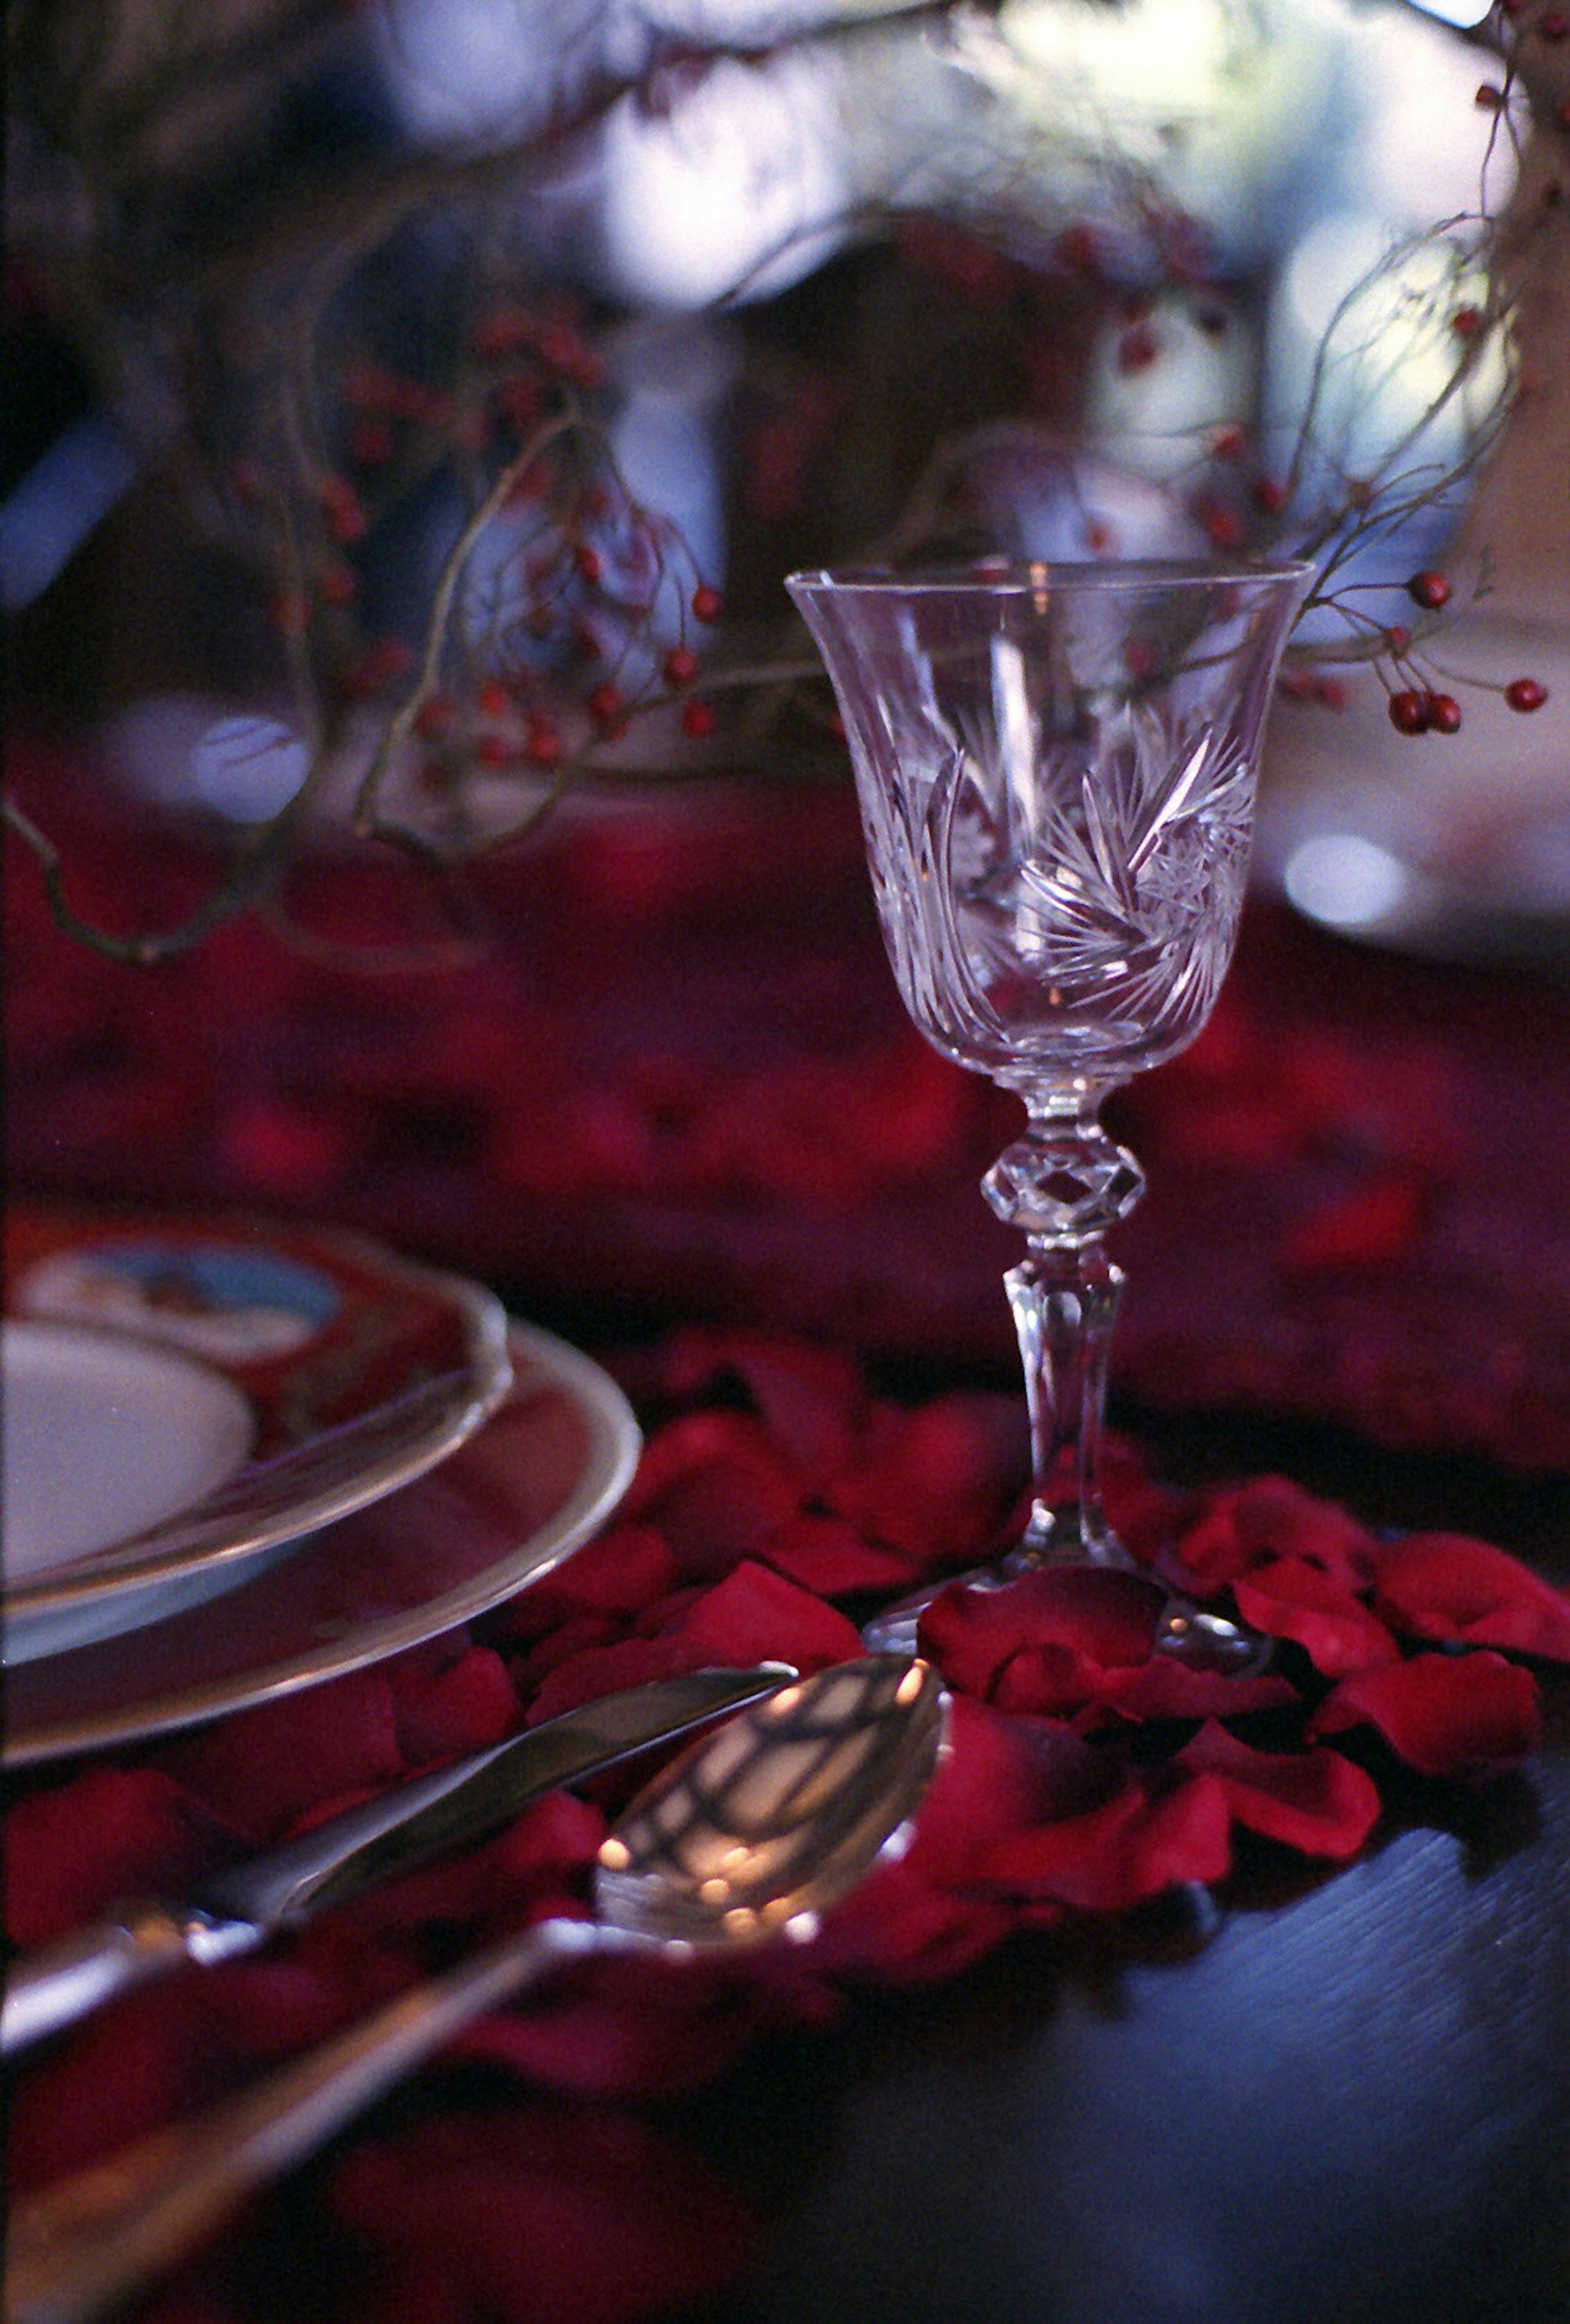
<point>537,1480</point>
<point>185,1397</point>
<point>106,1437</point>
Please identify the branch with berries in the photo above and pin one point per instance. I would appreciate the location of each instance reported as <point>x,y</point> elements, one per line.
<point>331,437</point>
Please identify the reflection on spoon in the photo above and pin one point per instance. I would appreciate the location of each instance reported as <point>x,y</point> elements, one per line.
<point>750,1834</point>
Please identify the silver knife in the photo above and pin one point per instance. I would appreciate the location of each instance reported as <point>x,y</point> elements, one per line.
<point>237,1908</point>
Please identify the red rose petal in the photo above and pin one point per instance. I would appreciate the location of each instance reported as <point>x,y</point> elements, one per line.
<point>110,1833</point>
<point>1316,1800</point>
<point>1063,1626</point>
<point>1240,1526</point>
<point>756,1616</point>
<point>829,1556</point>
<point>1165,1688</point>
<point>598,1669</point>
<point>443,1714</point>
<point>900,1928</point>
<point>1445,1585</point>
<point>117,2076</point>
<point>752,1616</point>
<point>621,1572</point>
<point>544,1854</point>
<point>1290,1599</point>
<point>1444,1714</point>
<point>1373,1225</point>
<point>537,2210</point>
<point>1122,1853</point>
<point>263,1768</point>
<point>631,2030</point>
<point>1002,1775</point>
<point>939,1480</point>
<point>809,1398</point>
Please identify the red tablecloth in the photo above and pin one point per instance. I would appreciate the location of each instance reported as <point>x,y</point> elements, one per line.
<point>679,1081</point>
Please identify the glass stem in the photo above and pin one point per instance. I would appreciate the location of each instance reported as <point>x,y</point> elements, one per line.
<point>1065,1298</point>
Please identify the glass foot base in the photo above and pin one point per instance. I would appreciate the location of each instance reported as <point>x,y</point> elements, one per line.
<point>1187,1633</point>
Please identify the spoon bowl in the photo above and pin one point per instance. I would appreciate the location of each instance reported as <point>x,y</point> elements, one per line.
<point>756,1832</point>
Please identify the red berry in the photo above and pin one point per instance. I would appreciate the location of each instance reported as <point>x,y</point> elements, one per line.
<point>370,443</point>
<point>1429,590</point>
<point>1231,443</point>
<point>707,604</point>
<point>346,520</point>
<point>1410,712</point>
<point>338,584</point>
<point>1269,495</point>
<point>1443,713</point>
<point>434,718</point>
<point>681,666</point>
<point>1398,637</point>
<point>1526,693</point>
<point>291,614</point>
<point>605,703</point>
<point>493,699</point>
<point>698,719</point>
<point>1466,322</point>
<point>543,746</point>
<point>501,333</point>
<point>1489,99</point>
<point>1331,692</point>
<point>1137,348</point>
<point>1223,527</point>
<point>1553,24</point>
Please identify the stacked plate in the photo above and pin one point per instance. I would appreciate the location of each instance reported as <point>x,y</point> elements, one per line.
<point>240,1459</point>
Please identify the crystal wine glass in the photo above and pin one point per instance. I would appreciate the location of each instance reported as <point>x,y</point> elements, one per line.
<point>1056,767</point>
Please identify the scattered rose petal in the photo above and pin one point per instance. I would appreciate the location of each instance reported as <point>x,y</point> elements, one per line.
<point>937,1481</point>
<point>462,1708</point>
<point>1165,1688</point>
<point>1289,1599</point>
<point>1045,1639</point>
<point>1445,1585</point>
<point>1315,1800</point>
<point>1240,1526</point>
<point>830,1556</point>
<point>1122,1853</point>
<point>1444,1714</point>
<point>808,1399</point>
<point>544,2209</point>
<point>264,1768</point>
<point>98,1837</point>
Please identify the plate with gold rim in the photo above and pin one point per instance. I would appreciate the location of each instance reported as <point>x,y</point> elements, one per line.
<point>539,1478</point>
<point>187,1394</point>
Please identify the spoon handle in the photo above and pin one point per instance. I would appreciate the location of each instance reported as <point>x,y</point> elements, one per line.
<point>78,2247</point>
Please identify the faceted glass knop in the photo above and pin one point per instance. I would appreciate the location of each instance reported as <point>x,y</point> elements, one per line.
<point>1064,1186</point>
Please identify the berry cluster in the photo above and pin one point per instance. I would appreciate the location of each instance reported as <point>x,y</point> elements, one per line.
<point>1417,707</point>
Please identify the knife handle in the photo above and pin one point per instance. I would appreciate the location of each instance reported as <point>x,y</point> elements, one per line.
<point>51,1987</point>
<point>82,2245</point>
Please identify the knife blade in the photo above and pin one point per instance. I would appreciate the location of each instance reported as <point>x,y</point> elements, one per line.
<point>237,1908</point>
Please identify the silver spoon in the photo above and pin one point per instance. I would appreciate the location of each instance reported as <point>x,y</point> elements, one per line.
<point>750,1834</point>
